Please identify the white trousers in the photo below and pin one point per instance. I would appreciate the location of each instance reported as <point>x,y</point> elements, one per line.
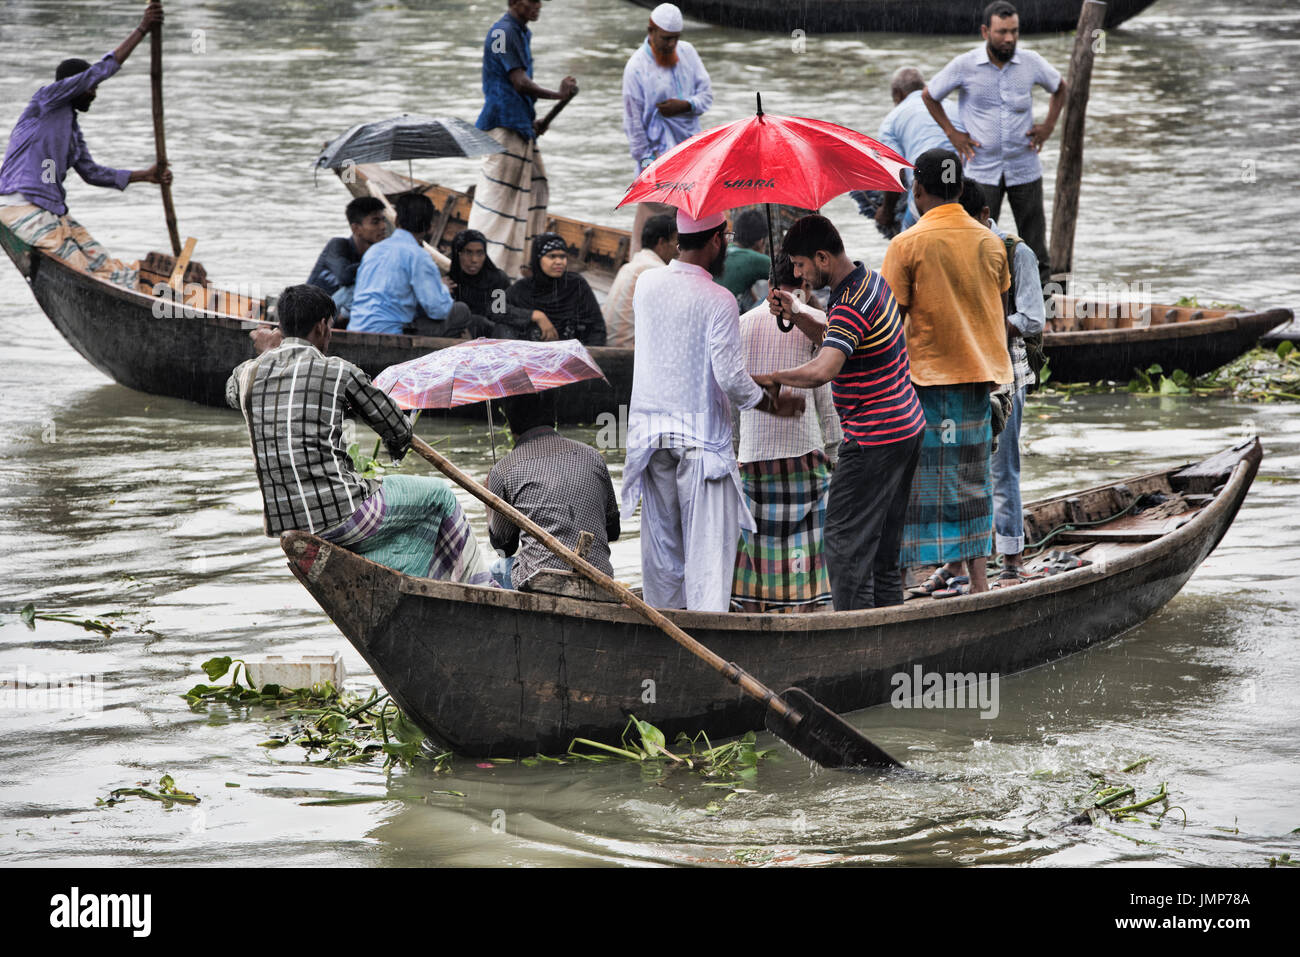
<point>689,529</point>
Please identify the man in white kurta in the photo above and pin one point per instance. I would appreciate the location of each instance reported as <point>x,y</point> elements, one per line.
<point>665,91</point>
<point>689,369</point>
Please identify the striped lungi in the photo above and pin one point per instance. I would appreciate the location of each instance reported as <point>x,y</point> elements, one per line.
<point>65,238</point>
<point>782,564</point>
<point>950,511</point>
<point>510,199</point>
<point>414,524</point>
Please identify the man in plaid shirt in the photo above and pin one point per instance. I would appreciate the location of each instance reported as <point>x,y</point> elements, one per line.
<point>294,398</point>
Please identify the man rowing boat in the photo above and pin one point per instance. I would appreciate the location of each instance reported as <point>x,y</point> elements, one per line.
<point>511,196</point>
<point>46,142</point>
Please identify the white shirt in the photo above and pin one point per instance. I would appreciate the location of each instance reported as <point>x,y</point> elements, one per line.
<point>620,321</point>
<point>646,84</point>
<point>997,110</point>
<point>688,369</point>
<point>764,437</point>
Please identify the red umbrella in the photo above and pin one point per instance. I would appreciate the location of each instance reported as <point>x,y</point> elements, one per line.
<point>767,159</point>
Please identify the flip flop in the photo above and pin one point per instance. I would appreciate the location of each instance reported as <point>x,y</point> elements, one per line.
<point>1010,577</point>
<point>957,585</point>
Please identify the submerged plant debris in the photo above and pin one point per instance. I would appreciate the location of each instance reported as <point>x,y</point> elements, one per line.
<point>1119,802</point>
<point>30,616</point>
<point>167,793</point>
<point>345,726</point>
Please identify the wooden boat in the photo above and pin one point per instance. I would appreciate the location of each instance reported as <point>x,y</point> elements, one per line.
<point>185,346</point>
<point>497,673</point>
<point>1085,340</point>
<point>891,16</point>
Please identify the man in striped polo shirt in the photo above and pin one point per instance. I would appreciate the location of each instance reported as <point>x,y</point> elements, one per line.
<point>864,357</point>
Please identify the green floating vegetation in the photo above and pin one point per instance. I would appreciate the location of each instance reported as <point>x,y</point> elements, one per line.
<point>1119,802</point>
<point>733,764</point>
<point>30,616</point>
<point>348,728</point>
<point>167,793</point>
<point>1283,860</point>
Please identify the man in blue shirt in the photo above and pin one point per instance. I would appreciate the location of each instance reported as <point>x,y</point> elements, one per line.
<point>1000,145</point>
<point>398,279</point>
<point>511,196</point>
<point>336,267</point>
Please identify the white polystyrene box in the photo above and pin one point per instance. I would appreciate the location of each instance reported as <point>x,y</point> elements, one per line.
<point>296,671</point>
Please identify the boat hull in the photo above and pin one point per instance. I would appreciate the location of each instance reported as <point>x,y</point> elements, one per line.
<point>892,16</point>
<point>502,674</point>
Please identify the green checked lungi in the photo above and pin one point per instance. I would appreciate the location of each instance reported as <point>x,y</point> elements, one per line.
<point>950,511</point>
<point>782,565</point>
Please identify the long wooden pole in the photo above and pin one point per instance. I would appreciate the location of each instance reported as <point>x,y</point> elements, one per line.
<point>160,142</point>
<point>817,732</point>
<point>1069,170</point>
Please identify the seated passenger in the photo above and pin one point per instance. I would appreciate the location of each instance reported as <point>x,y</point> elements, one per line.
<point>562,485</point>
<point>399,288</point>
<point>410,523</point>
<point>564,297</point>
<point>482,285</point>
<point>658,248</point>
<point>747,260</point>
<point>336,267</point>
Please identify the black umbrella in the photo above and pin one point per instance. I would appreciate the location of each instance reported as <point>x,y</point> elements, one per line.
<point>406,137</point>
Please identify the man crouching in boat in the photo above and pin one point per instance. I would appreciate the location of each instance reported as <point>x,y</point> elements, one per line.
<point>46,142</point>
<point>294,398</point>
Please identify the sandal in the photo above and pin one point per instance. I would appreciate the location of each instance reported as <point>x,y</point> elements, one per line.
<point>957,585</point>
<point>939,580</point>
<point>1009,577</point>
<point>1063,561</point>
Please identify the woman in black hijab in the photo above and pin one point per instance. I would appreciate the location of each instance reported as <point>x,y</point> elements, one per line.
<point>565,297</point>
<point>482,286</point>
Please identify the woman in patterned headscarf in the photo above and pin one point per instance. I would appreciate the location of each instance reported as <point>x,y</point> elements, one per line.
<point>567,301</point>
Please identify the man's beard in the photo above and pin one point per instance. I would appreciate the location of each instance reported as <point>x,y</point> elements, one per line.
<point>719,262</point>
<point>1002,55</point>
<point>668,60</point>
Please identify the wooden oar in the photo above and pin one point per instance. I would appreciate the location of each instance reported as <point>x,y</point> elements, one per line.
<point>794,716</point>
<point>543,126</point>
<point>160,143</point>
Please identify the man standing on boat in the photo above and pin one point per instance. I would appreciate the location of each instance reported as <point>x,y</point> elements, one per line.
<point>46,142</point>
<point>865,357</point>
<point>511,196</point>
<point>1000,145</point>
<point>689,368</point>
<point>665,91</point>
<point>295,398</point>
<point>948,274</point>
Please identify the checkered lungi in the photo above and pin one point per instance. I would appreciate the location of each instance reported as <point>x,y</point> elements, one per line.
<point>65,238</point>
<point>782,565</point>
<point>950,511</point>
<point>414,525</point>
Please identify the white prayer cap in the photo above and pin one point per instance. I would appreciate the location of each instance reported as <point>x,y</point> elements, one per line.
<point>667,17</point>
<point>685,224</point>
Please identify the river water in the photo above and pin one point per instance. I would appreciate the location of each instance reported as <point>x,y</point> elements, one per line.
<point>145,510</point>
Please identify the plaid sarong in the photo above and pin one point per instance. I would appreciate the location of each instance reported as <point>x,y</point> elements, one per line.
<point>782,564</point>
<point>64,238</point>
<point>414,524</point>
<point>950,511</point>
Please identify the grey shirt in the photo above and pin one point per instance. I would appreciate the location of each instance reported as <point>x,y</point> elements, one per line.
<point>564,487</point>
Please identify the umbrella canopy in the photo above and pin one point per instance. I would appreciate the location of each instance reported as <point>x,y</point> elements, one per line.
<point>767,159</point>
<point>407,137</point>
<point>483,369</point>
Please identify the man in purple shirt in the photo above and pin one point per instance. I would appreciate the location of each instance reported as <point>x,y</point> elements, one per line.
<point>46,142</point>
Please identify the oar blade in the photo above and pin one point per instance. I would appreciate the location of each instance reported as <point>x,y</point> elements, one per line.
<point>824,737</point>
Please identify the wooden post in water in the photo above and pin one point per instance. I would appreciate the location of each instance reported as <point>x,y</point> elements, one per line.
<point>160,143</point>
<point>1069,170</point>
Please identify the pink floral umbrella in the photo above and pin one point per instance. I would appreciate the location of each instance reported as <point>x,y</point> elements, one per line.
<point>484,369</point>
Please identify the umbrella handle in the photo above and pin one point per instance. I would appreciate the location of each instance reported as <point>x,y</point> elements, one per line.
<point>785,325</point>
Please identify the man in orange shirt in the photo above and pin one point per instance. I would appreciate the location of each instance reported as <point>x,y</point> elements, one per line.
<point>948,274</point>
